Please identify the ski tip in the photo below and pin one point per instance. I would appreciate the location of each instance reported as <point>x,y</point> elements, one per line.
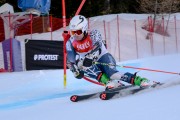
<point>103,96</point>
<point>74,98</point>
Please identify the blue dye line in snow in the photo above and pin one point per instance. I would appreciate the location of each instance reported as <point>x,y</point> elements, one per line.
<point>29,102</point>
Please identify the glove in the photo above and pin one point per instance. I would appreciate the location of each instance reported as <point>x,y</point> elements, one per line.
<point>77,73</point>
<point>90,58</point>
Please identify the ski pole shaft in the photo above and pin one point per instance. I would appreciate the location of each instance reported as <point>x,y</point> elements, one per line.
<point>147,69</point>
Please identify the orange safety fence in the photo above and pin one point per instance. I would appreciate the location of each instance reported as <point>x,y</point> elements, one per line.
<point>39,25</point>
<point>2,36</point>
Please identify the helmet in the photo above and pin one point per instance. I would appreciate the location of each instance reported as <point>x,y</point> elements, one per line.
<point>78,25</point>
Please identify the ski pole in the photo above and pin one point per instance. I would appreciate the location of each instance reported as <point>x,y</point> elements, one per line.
<point>147,69</point>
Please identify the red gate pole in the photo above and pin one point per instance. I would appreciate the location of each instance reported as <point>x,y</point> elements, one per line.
<point>64,43</point>
<point>80,7</point>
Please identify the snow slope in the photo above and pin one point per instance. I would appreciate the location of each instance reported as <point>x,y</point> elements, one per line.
<point>40,95</point>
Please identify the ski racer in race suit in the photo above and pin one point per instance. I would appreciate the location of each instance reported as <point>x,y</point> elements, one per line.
<point>84,48</point>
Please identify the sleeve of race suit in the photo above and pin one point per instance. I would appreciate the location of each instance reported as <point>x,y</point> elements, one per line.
<point>71,61</point>
<point>71,54</point>
<point>96,39</point>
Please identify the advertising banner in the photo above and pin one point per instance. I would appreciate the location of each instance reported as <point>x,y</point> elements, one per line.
<point>43,54</point>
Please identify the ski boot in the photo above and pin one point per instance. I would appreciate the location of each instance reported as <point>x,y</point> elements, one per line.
<point>109,84</point>
<point>142,82</point>
<point>113,84</point>
<point>136,80</point>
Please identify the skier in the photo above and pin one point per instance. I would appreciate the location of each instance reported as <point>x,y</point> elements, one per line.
<point>84,48</point>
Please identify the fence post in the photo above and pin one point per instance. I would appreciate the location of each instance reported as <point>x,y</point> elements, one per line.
<point>163,35</point>
<point>150,23</point>
<point>11,44</point>
<point>51,27</point>
<point>136,38</point>
<point>109,36</point>
<point>151,29</point>
<point>118,37</point>
<point>31,17</point>
<point>176,34</point>
<point>151,41</point>
<point>88,23</point>
<point>104,23</point>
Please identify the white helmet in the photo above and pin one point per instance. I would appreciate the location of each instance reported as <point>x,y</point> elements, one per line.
<point>78,22</point>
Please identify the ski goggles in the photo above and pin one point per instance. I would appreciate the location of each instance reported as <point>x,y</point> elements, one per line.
<point>77,32</point>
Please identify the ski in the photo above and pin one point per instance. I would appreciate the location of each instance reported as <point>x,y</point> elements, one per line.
<point>112,93</point>
<point>107,95</point>
<point>76,98</point>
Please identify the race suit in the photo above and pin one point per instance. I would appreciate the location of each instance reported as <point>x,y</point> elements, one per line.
<point>78,49</point>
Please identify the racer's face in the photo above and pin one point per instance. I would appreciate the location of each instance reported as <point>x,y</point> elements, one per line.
<point>78,34</point>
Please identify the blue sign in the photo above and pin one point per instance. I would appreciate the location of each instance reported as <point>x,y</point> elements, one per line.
<point>42,5</point>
